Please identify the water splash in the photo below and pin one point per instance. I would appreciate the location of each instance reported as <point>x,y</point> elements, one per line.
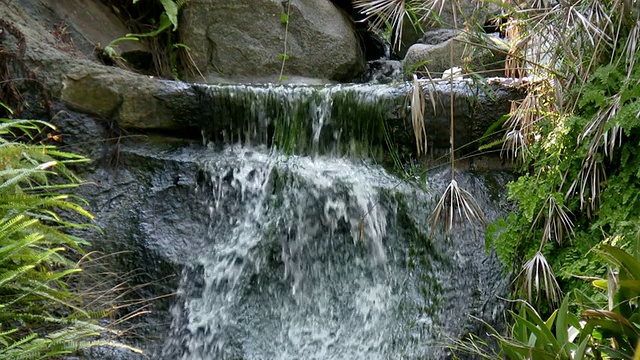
<point>316,259</point>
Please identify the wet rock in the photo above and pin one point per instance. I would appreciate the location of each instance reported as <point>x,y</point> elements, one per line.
<point>383,71</point>
<point>91,95</point>
<point>231,39</point>
<point>128,98</point>
<point>347,119</point>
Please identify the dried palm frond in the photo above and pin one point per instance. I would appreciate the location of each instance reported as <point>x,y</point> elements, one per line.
<point>456,203</point>
<point>525,114</point>
<point>557,222</point>
<point>592,22</point>
<point>514,145</point>
<point>382,13</point>
<point>536,277</point>
<point>379,13</point>
<point>514,65</point>
<point>587,184</point>
<point>559,39</point>
<point>418,103</point>
<point>430,9</point>
<point>631,48</point>
<point>594,131</point>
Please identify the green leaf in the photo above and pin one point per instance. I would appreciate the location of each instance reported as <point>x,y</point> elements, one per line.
<point>284,56</point>
<point>541,329</point>
<point>582,348</point>
<point>493,128</point>
<point>602,284</point>
<point>165,23</point>
<point>562,326</point>
<point>6,107</point>
<point>612,325</point>
<point>171,9</point>
<point>515,350</point>
<point>620,259</point>
<point>284,18</point>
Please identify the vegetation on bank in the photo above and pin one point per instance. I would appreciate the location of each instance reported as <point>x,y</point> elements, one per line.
<point>156,23</point>
<point>46,308</point>
<point>55,299</point>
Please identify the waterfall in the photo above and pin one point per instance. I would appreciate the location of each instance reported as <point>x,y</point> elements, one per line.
<point>321,259</point>
<point>308,248</point>
<point>355,120</point>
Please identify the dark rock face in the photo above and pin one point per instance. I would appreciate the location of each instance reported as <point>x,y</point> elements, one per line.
<point>243,40</point>
<point>170,208</point>
<point>384,71</point>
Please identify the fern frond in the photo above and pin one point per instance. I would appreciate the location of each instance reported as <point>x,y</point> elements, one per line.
<point>34,265</point>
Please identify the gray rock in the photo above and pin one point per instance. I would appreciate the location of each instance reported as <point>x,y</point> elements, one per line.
<point>126,97</point>
<point>435,37</point>
<point>93,24</point>
<point>468,11</point>
<point>487,58</point>
<point>232,39</point>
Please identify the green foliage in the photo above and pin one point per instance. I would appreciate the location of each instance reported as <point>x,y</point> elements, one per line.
<point>284,18</point>
<point>171,8</point>
<point>587,329</point>
<point>580,173</point>
<point>388,16</point>
<point>166,24</point>
<point>40,316</point>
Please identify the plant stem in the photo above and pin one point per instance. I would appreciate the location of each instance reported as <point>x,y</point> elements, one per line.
<point>451,96</point>
<point>286,32</point>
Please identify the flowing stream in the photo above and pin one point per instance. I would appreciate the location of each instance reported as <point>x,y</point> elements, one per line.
<point>323,254</point>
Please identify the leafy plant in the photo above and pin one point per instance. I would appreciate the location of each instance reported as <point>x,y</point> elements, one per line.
<point>574,137</point>
<point>40,315</point>
<point>611,331</point>
<point>167,24</point>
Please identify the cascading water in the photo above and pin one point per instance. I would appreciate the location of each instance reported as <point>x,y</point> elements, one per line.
<point>321,257</point>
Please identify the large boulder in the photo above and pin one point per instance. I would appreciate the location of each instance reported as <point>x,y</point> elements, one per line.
<point>243,40</point>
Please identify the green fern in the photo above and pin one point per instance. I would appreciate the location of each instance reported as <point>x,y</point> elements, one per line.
<point>35,248</point>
